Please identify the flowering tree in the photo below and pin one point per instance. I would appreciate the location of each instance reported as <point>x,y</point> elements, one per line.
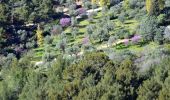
<point>87,46</point>
<point>81,11</point>
<point>136,38</point>
<point>64,22</point>
<point>85,40</point>
<point>126,42</point>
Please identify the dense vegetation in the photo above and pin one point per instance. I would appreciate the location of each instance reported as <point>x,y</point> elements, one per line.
<point>86,50</point>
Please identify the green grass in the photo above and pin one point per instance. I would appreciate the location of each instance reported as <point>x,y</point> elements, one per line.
<point>99,15</point>
<point>84,23</point>
<point>67,30</point>
<point>136,48</point>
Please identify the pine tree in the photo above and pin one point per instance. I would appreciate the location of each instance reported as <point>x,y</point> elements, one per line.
<point>39,34</point>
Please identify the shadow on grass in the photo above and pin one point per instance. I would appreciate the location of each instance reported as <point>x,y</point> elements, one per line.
<point>142,44</point>
<point>82,19</point>
<point>39,50</point>
<point>82,26</point>
<point>123,46</point>
<point>71,40</point>
<point>97,42</point>
<point>80,33</point>
<point>68,34</point>
<point>128,22</point>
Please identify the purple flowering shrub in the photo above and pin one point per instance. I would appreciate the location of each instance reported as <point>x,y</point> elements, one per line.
<point>64,22</point>
<point>85,40</point>
<point>126,41</point>
<point>81,11</point>
<point>136,38</point>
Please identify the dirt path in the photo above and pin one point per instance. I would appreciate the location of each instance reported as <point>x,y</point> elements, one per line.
<point>94,10</point>
<point>106,45</point>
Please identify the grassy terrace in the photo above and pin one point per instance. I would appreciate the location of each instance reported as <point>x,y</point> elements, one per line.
<point>129,25</point>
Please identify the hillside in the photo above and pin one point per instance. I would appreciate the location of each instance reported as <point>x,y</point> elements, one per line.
<point>84,49</point>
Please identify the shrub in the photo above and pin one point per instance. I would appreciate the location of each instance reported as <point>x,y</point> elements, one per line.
<point>47,57</point>
<point>167,2</point>
<point>64,22</point>
<point>148,28</point>
<point>90,29</point>
<point>94,6</point>
<point>136,38</point>
<point>111,40</point>
<point>132,4</point>
<point>109,25</point>
<point>73,21</point>
<point>161,18</point>
<point>104,10</point>
<point>74,50</point>
<point>48,40</point>
<point>30,45</point>
<point>101,35</point>
<point>122,17</point>
<point>56,30</point>
<point>132,13</point>
<point>122,33</point>
<point>72,12</point>
<point>159,35</point>
<point>115,10</point>
<point>91,16</point>
<point>74,32</point>
<point>85,40</point>
<point>62,44</point>
<point>126,42</point>
<point>23,34</point>
<point>81,11</point>
<point>87,4</point>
